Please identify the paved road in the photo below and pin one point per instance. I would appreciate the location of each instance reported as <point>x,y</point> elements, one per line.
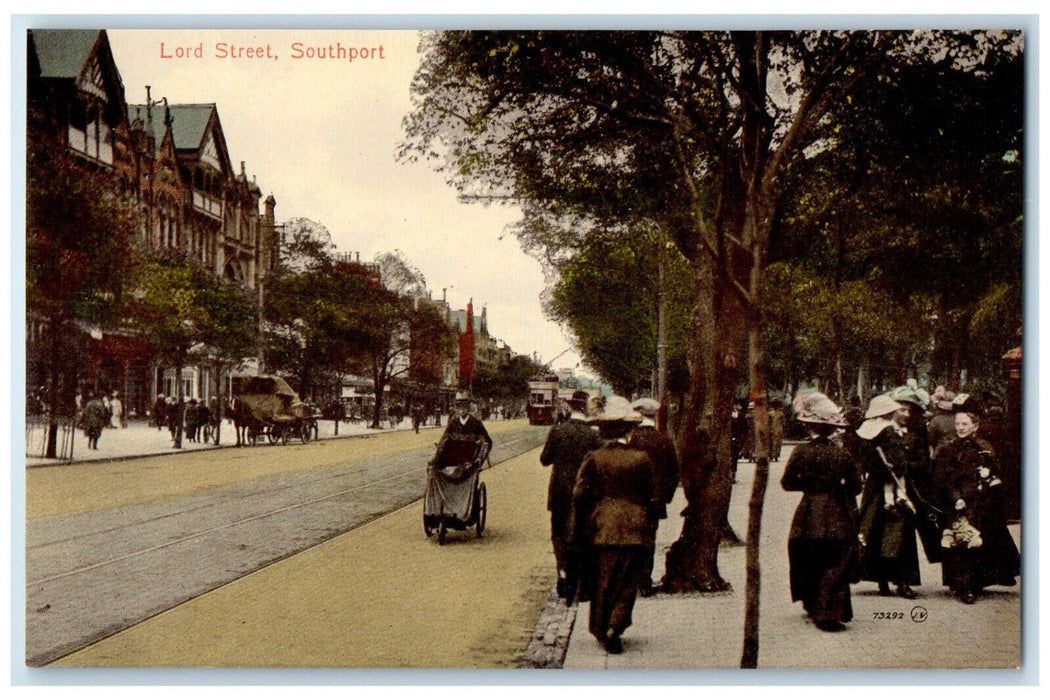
<point>111,544</point>
<point>381,596</point>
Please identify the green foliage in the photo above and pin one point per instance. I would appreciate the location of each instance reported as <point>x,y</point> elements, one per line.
<point>608,296</point>
<point>79,239</point>
<point>316,321</point>
<point>190,314</point>
<point>509,382</point>
<point>916,194</point>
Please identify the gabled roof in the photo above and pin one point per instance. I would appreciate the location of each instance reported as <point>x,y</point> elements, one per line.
<point>189,125</point>
<point>62,53</point>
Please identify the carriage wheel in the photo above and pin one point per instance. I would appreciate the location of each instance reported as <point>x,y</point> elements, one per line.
<point>286,434</point>
<point>272,435</point>
<point>305,431</point>
<point>483,507</point>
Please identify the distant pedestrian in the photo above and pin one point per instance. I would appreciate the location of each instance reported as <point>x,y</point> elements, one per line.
<point>887,527</point>
<point>776,429</point>
<point>116,409</point>
<point>978,548</point>
<point>192,420</point>
<point>614,512</point>
<point>822,544</point>
<point>96,415</point>
<point>160,412</point>
<point>175,413</point>
<point>566,446</point>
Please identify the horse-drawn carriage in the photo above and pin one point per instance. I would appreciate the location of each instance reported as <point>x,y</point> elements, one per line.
<point>267,408</point>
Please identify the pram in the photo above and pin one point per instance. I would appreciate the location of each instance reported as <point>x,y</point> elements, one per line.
<point>455,496</point>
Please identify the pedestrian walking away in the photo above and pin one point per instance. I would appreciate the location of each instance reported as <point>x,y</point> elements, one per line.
<point>822,544</point>
<point>614,502</point>
<point>661,451</point>
<point>96,416</point>
<point>566,445</point>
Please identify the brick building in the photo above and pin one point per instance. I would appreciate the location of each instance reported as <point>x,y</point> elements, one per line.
<point>170,163</point>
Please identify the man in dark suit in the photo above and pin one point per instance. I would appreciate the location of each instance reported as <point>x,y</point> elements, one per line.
<point>614,499</point>
<point>567,444</point>
<point>661,451</point>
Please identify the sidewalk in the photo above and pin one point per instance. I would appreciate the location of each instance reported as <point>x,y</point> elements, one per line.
<point>705,631</point>
<point>140,439</point>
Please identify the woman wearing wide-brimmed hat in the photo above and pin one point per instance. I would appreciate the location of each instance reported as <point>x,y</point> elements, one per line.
<point>978,548</point>
<point>890,552</point>
<point>822,544</point>
<point>615,501</point>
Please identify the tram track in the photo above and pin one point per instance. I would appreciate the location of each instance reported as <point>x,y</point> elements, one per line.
<point>90,575</point>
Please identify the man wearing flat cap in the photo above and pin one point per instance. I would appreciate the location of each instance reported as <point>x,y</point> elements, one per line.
<point>567,444</point>
<point>661,451</point>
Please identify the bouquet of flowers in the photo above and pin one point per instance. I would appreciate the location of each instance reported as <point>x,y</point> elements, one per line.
<point>961,534</point>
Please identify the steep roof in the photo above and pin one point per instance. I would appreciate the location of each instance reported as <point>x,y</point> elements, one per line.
<point>62,53</point>
<point>189,128</point>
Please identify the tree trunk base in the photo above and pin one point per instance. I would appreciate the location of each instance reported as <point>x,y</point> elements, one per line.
<point>686,574</point>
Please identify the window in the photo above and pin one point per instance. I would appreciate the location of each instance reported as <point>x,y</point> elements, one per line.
<point>90,136</point>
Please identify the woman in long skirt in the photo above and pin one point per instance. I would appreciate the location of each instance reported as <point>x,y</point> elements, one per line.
<point>887,511</point>
<point>978,548</point>
<point>822,545</point>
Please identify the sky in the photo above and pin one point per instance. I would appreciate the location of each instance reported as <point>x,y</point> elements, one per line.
<point>321,135</point>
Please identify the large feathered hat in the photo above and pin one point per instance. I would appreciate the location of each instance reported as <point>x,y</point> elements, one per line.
<point>815,407</point>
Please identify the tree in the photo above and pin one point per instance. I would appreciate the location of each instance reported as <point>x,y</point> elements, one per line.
<point>229,331</point>
<point>79,248</point>
<point>609,294</point>
<point>507,383</point>
<point>691,130</point>
<point>184,309</point>
<point>920,179</point>
<point>314,321</point>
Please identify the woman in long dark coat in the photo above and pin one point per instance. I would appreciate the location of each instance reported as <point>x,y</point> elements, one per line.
<point>978,548</point>
<point>615,500</point>
<point>822,545</point>
<point>890,551</point>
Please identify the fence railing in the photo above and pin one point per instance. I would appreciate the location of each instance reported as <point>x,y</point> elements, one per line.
<point>37,429</point>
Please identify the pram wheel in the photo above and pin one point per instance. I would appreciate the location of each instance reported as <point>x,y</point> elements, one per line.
<point>483,507</point>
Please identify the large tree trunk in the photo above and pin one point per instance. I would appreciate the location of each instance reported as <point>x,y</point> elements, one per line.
<point>705,440</point>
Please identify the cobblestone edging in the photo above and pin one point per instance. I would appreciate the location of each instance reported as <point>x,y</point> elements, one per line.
<point>550,639</point>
